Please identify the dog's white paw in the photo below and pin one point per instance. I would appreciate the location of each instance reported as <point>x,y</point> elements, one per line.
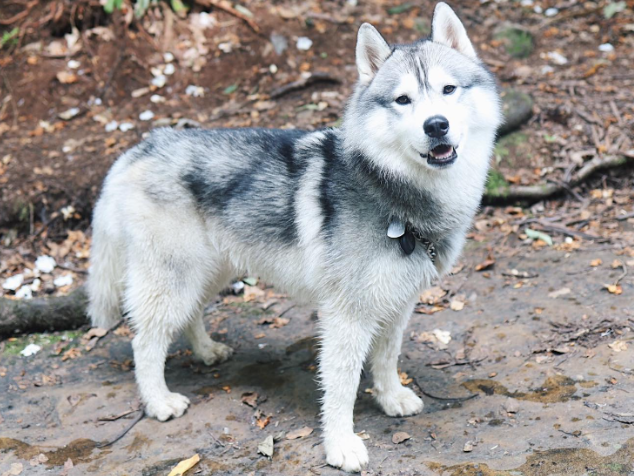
<point>403,402</point>
<point>348,453</point>
<point>214,353</point>
<point>167,406</point>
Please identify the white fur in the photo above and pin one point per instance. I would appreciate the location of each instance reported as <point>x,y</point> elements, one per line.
<point>160,261</point>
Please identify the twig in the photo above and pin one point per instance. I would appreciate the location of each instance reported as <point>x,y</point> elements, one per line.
<point>21,15</point>
<point>618,280</point>
<point>625,217</point>
<point>317,77</point>
<point>436,397</point>
<point>117,417</point>
<point>106,443</point>
<point>567,231</point>
<point>225,6</point>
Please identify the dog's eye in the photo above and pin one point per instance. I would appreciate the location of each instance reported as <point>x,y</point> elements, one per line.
<point>448,89</point>
<point>403,100</point>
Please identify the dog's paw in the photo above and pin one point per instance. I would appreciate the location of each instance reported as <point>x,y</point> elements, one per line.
<point>348,453</point>
<point>214,353</point>
<point>403,402</point>
<point>168,406</point>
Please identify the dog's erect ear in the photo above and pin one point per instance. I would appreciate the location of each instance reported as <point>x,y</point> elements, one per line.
<point>372,51</point>
<point>448,30</point>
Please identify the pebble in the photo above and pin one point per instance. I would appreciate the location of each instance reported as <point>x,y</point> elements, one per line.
<point>304,43</point>
<point>146,115</point>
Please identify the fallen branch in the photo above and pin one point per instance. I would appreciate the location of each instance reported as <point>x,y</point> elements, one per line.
<point>533,193</point>
<point>224,5</point>
<point>303,82</point>
<point>58,313</point>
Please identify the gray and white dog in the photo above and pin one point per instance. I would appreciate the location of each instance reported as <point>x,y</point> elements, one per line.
<point>357,220</point>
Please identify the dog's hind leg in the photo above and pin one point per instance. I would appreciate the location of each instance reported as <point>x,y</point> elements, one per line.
<point>204,347</point>
<point>394,398</point>
<point>169,264</point>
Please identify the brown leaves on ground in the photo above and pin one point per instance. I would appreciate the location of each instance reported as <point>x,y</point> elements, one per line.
<point>300,433</point>
<point>399,437</point>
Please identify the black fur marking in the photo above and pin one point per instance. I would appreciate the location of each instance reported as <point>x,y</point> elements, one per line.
<point>328,210</point>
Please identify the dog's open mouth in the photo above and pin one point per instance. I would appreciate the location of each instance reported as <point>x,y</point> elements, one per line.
<point>442,155</point>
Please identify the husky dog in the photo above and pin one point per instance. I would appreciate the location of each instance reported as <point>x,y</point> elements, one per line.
<point>358,220</point>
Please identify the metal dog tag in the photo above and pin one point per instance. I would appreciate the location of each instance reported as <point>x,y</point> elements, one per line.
<point>396,228</point>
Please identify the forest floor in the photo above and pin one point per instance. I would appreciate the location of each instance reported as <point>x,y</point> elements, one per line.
<point>538,374</point>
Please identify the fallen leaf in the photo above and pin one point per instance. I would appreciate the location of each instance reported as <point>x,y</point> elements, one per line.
<point>404,378</point>
<point>486,264</point>
<point>456,305</point>
<point>432,295</point>
<point>618,346</point>
<point>266,447</point>
<point>250,398</point>
<point>613,288</point>
<point>558,293</point>
<point>263,422</point>
<point>301,433</point>
<point>596,262</point>
<point>14,470</point>
<point>65,77</point>
<point>184,466</point>
<point>539,235</point>
<point>400,437</point>
<point>616,264</point>
<point>468,447</point>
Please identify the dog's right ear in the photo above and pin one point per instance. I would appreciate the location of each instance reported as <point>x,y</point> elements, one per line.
<point>372,51</point>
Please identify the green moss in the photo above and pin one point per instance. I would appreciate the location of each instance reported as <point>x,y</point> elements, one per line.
<point>496,183</point>
<point>518,42</point>
<point>15,346</point>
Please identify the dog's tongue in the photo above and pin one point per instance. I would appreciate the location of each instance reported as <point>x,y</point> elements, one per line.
<point>442,151</point>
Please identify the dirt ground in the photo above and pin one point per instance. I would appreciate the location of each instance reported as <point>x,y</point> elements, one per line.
<point>537,380</point>
<point>523,356</point>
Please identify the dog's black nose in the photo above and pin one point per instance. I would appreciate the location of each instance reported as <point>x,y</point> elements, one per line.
<point>436,126</point>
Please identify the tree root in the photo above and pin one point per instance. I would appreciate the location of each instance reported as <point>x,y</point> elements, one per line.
<point>43,314</point>
<point>534,193</point>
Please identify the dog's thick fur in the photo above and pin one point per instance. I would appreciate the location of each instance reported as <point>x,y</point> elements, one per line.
<point>184,212</point>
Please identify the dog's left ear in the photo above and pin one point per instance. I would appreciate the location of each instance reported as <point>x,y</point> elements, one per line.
<point>372,51</point>
<point>447,29</point>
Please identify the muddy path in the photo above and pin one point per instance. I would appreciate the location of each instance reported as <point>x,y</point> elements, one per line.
<point>536,380</point>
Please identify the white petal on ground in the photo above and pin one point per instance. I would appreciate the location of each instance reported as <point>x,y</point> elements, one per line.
<point>30,349</point>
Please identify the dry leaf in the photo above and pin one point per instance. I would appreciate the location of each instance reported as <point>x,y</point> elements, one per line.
<point>400,437</point>
<point>266,447</point>
<point>301,433</point>
<point>14,470</point>
<point>456,305</point>
<point>184,466</point>
<point>558,293</point>
<point>468,447</point>
<point>616,264</point>
<point>596,262</point>
<point>618,346</point>
<point>432,295</point>
<point>250,398</point>
<point>613,288</point>
<point>486,264</point>
<point>405,379</point>
<point>65,77</point>
<point>263,422</point>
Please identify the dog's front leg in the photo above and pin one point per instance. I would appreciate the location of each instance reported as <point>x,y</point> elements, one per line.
<point>394,398</point>
<point>345,343</point>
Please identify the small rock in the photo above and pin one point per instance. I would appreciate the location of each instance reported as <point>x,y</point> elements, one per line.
<point>13,283</point>
<point>65,280</point>
<point>606,48</point>
<point>46,264</point>
<point>112,126</point>
<point>555,57</point>
<point>304,43</point>
<point>146,115</point>
<point>194,91</point>
<point>169,69</point>
<point>68,114</point>
<point>73,64</point>
<point>159,81</point>
<point>300,433</point>
<point>468,447</point>
<point>279,43</point>
<point>157,98</point>
<point>25,292</point>
<point>551,12</point>
<point>126,126</point>
<point>511,405</point>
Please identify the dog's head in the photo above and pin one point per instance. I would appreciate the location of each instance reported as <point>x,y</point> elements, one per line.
<point>424,102</point>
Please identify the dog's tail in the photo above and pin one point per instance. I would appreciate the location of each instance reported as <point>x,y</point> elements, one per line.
<point>107,268</point>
